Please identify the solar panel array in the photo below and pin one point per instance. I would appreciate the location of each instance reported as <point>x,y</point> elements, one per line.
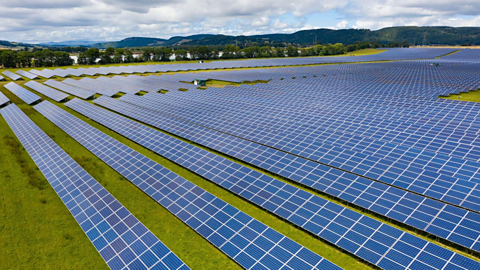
<point>11,75</point>
<point>445,221</point>
<point>250,243</point>
<point>119,237</point>
<point>73,90</point>
<point>25,95</point>
<point>453,183</point>
<point>390,54</point>
<point>373,135</point>
<point>86,83</point>
<point>3,99</point>
<point>27,74</point>
<point>253,186</point>
<point>47,91</point>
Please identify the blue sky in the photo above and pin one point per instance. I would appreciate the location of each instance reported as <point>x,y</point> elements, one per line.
<point>106,20</point>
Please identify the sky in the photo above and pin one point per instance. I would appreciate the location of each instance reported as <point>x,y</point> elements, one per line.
<point>38,21</point>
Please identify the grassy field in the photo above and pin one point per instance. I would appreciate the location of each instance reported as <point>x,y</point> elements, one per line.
<point>473,96</point>
<point>37,231</point>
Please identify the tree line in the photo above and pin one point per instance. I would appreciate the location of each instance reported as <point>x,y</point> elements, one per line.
<point>37,58</point>
<point>57,58</point>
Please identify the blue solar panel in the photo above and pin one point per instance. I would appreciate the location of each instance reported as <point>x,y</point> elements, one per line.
<point>390,54</point>
<point>250,243</point>
<point>251,185</point>
<point>25,95</point>
<point>445,221</point>
<point>120,238</point>
<point>436,185</point>
<point>47,91</point>
<point>3,99</point>
<point>73,90</point>
<point>11,75</point>
<point>26,74</point>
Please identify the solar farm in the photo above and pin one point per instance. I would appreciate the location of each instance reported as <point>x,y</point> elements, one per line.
<point>295,163</point>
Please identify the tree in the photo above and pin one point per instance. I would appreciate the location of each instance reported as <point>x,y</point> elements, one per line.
<point>107,56</point>
<point>24,59</point>
<point>62,59</point>
<point>279,52</point>
<point>82,59</point>
<point>147,55</point>
<point>181,55</point>
<point>129,57</point>
<point>230,51</point>
<point>92,55</point>
<point>251,52</point>
<point>8,59</point>
<point>203,53</point>
<point>118,55</point>
<point>292,51</point>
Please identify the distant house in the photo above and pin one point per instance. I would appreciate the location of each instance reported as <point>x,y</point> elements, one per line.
<point>200,82</point>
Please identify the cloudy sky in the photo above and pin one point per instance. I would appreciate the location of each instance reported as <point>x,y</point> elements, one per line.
<point>105,20</point>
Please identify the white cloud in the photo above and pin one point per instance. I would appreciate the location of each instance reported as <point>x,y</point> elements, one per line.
<point>342,25</point>
<point>58,20</point>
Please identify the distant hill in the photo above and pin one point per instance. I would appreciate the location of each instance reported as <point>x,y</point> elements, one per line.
<point>72,43</point>
<point>146,41</point>
<point>434,35</point>
<point>15,45</point>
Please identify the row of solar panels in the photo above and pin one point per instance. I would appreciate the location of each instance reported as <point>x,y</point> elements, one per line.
<point>329,221</point>
<point>454,224</point>
<point>188,154</point>
<point>409,208</point>
<point>440,82</point>
<point>273,138</point>
<point>390,54</point>
<point>119,237</point>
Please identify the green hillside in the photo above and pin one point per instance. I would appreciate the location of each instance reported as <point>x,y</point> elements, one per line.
<point>435,35</point>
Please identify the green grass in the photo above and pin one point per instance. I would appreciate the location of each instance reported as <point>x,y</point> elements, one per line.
<point>472,96</point>
<point>37,230</point>
<point>365,52</point>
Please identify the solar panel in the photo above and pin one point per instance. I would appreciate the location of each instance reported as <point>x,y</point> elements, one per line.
<point>25,95</point>
<point>26,74</point>
<point>1,78</point>
<point>3,100</point>
<point>86,83</point>
<point>47,91</point>
<point>440,186</point>
<point>73,90</point>
<point>120,238</point>
<point>250,243</point>
<point>253,186</point>
<point>445,221</point>
<point>11,75</point>
<point>390,54</point>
